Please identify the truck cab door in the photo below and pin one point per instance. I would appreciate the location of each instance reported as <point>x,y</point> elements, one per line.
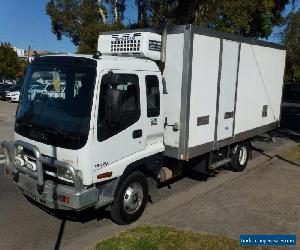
<point>117,144</point>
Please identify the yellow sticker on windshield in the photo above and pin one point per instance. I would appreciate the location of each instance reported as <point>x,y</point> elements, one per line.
<point>57,85</point>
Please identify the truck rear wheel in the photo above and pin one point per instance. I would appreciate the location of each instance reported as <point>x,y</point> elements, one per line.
<point>240,157</point>
<point>131,199</point>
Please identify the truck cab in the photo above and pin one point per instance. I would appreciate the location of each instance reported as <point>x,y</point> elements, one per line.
<point>74,141</point>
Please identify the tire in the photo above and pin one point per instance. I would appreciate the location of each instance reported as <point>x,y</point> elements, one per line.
<point>240,157</point>
<point>131,199</point>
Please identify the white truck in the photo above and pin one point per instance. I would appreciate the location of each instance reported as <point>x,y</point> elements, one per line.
<point>144,98</point>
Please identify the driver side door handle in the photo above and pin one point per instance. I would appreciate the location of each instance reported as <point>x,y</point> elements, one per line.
<point>137,134</point>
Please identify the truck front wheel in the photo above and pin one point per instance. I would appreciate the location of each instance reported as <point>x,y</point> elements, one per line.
<point>131,199</point>
<point>240,156</point>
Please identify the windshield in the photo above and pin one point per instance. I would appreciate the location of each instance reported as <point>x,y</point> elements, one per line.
<point>56,103</point>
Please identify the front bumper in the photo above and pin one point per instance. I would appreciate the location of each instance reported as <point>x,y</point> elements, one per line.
<point>47,192</point>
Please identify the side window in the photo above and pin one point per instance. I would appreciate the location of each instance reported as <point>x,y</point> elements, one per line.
<point>153,96</point>
<point>128,84</point>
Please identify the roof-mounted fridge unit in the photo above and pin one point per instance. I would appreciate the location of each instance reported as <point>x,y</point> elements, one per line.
<point>137,44</point>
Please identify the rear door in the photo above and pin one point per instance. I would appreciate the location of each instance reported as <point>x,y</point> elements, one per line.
<point>228,83</point>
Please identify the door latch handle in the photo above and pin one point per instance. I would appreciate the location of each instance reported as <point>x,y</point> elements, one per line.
<point>137,134</point>
<point>228,115</point>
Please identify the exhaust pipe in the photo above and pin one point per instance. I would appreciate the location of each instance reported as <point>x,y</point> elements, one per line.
<point>164,44</point>
<point>163,53</point>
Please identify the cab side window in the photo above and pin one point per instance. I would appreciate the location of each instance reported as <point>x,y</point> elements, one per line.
<point>128,85</point>
<point>153,96</point>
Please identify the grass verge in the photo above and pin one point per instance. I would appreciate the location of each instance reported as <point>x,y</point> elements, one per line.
<point>292,153</point>
<point>149,237</point>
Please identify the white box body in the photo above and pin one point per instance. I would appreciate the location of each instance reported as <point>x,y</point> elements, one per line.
<point>221,88</point>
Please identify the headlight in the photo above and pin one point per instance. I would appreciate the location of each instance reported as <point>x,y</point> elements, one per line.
<point>64,173</point>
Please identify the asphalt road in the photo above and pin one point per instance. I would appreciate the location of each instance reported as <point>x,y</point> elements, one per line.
<point>24,226</point>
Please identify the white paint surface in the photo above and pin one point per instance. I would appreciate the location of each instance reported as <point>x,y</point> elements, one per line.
<point>173,76</point>
<point>227,88</point>
<point>260,83</point>
<point>204,88</point>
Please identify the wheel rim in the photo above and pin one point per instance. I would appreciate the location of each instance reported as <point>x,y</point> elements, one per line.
<point>133,198</point>
<point>243,155</point>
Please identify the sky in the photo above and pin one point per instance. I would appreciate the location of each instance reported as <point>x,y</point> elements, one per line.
<point>24,23</point>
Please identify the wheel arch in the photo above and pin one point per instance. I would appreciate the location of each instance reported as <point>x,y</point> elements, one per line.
<point>248,143</point>
<point>148,166</point>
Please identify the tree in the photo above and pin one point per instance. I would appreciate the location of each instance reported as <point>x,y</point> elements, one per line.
<point>80,21</point>
<point>143,8</point>
<point>291,39</point>
<point>102,11</point>
<point>255,18</point>
<point>22,65</point>
<point>83,20</point>
<point>9,62</point>
<point>117,8</point>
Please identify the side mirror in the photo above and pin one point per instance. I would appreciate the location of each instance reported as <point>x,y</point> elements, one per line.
<point>113,107</point>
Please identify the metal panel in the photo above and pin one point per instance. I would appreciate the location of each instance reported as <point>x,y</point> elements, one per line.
<point>246,135</point>
<point>236,87</point>
<point>186,91</point>
<point>172,152</point>
<point>237,38</point>
<point>227,88</point>
<point>206,57</point>
<point>260,83</point>
<point>218,89</point>
<point>210,146</point>
<point>173,77</point>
